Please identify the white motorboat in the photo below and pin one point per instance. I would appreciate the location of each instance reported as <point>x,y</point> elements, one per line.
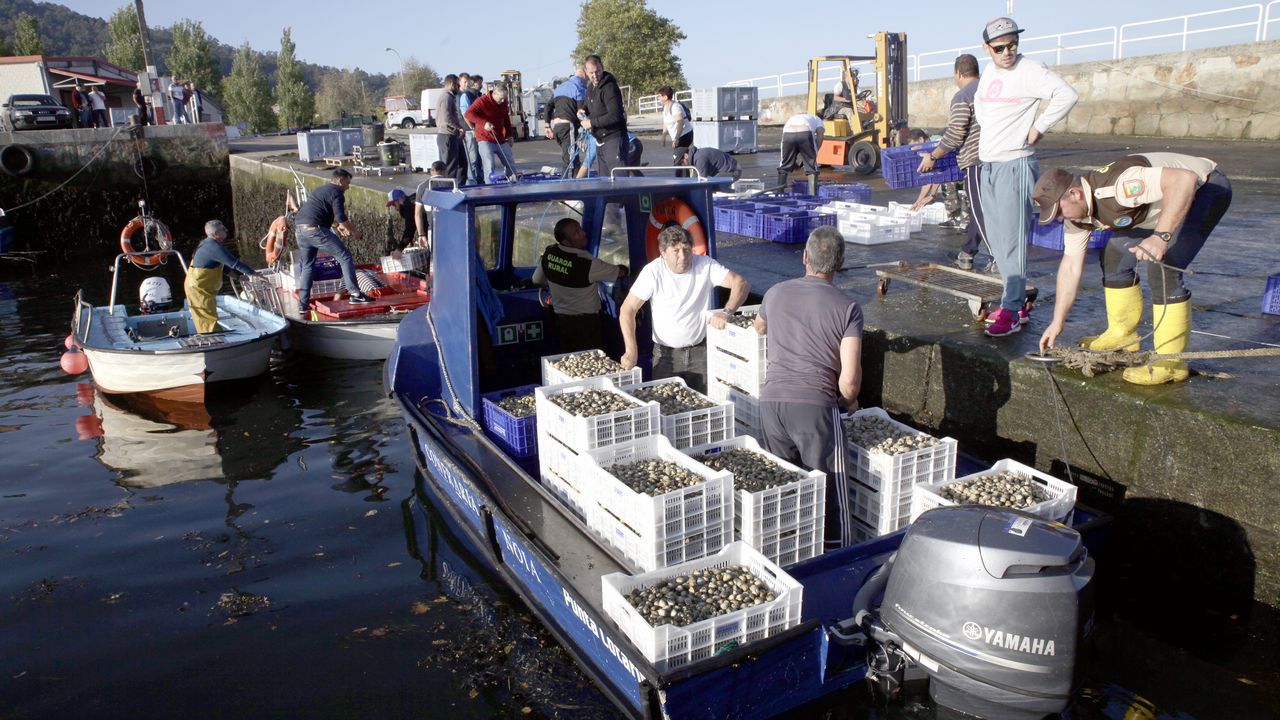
<point>160,352</point>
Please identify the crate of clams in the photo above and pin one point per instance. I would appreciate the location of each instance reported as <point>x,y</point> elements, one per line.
<point>592,413</point>
<point>510,418</point>
<point>746,408</point>
<point>1007,484</point>
<point>558,471</point>
<point>567,367</point>
<point>654,503</point>
<point>778,508</point>
<point>688,417</point>
<point>886,459</point>
<point>690,612</point>
<point>729,369</point>
<point>739,336</point>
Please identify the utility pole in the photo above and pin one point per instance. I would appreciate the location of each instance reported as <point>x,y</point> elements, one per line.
<point>149,78</point>
<point>145,36</point>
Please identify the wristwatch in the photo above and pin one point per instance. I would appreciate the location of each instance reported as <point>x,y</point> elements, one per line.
<point>1166,237</point>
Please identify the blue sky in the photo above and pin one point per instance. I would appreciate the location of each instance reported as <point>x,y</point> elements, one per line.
<point>726,40</point>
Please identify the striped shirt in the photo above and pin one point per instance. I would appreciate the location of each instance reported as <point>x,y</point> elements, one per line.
<point>962,133</point>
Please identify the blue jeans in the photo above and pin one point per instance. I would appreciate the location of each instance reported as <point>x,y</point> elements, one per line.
<point>474,167</point>
<point>488,150</point>
<point>179,111</point>
<point>1006,209</point>
<point>314,240</point>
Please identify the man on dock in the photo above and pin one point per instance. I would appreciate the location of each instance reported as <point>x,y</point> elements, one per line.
<point>452,130</point>
<point>813,367</point>
<point>682,287</point>
<point>1161,207</point>
<point>962,137</point>
<point>1008,95</point>
<point>325,207</point>
<point>709,162</point>
<point>605,116</point>
<point>572,273</point>
<point>801,138</point>
<point>204,276</point>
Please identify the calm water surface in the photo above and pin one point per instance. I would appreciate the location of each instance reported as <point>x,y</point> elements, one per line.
<point>269,555</point>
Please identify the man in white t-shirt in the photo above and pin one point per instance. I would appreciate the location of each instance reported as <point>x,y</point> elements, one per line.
<point>177,99</point>
<point>801,138</point>
<point>675,120</point>
<point>681,287</point>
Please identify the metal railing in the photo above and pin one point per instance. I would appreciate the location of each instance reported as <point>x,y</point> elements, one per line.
<point>1251,23</point>
<point>651,103</point>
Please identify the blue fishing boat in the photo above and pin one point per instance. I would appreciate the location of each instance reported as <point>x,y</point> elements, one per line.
<point>484,331</point>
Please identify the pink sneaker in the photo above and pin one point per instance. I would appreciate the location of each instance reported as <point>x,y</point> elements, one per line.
<point>1023,316</point>
<point>1003,322</point>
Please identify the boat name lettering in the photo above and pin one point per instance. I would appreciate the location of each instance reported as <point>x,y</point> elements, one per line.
<point>518,553</point>
<point>446,473</point>
<point>1008,640</point>
<point>612,647</point>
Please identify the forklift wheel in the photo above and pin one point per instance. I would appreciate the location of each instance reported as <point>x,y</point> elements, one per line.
<point>882,287</point>
<point>863,157</point>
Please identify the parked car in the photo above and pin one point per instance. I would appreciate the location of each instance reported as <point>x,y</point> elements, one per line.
<point>32,112</point>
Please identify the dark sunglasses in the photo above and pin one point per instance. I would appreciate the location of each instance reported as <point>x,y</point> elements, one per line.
<point>999,49</point>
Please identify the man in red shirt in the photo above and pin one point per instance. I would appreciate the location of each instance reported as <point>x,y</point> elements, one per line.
<point>491,118</point>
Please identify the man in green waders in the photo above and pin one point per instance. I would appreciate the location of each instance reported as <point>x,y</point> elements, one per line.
<point>204,277</point>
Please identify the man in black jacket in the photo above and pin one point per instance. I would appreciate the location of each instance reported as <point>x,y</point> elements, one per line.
<point>606,118</point>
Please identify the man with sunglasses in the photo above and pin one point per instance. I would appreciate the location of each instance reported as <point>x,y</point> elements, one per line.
<point>1009,94</point>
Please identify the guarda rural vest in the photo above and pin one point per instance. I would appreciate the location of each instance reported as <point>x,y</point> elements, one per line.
<point>565,268</point>
<point>1103,180</point>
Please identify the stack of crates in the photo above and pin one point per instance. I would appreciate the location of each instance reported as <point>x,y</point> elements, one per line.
<point>868,224</point>
<point>783,523</point>
<point>725,118</point>
<point>898,166</point>
<point>735,371</point>
<point>1052,236</point>
<point>693,427</point>
<point>882,484</point>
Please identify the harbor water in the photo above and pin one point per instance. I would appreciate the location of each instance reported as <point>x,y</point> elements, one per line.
<point>274,553</point>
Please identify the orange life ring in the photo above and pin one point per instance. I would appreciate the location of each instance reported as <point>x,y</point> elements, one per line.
<point>671,210</point>
<point>276,239</point>
<point>163,237</point>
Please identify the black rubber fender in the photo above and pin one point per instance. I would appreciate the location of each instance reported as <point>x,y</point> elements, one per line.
<point>17,160</point>
<point>147,167</point>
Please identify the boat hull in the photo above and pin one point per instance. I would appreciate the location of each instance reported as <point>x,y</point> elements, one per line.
<point>344,340</point>
<point>177,376</point>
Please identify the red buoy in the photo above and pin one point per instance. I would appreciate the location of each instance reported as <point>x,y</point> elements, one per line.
<point>70,342</point>
<point>74,362</point>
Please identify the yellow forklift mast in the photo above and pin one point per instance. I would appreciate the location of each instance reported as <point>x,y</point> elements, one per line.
<point>857,129</point>
<point>510,80</point>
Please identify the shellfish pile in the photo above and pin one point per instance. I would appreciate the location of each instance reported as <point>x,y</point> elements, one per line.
<point>1007,489</point>
<point>589,403</point>
<point>519,406</point>
<point>751,470</point>
<point>672,397</point>
<point>654,476</point>
<point>592,363</point>
<point>877,434</point>
<point>742,320</point>
<point>700,595</point>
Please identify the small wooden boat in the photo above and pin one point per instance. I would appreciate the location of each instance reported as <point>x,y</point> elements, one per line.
<point>160,352</point>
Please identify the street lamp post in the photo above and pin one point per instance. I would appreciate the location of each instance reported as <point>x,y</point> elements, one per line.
<point>404,90</point>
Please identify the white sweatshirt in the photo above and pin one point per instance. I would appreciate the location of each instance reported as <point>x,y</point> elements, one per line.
<point>1005,107</point>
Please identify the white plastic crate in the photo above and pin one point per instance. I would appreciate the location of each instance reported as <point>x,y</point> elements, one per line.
<point>931,214</point>
<point>410,259</point>
<point>790,546</point>
<point>1059,507</point>
<point>647,552</point>
<point>745,343</point>
<point>695,427</point>
<point>761,517</point>
<point>865,233</point>
<point>668,647</point>
<point>554,456</point>
<point>552,376</point>
<point>581,433</point>
<point>672,514</point>
<point>915,221</point>
<point>563,488</point>
<point>883,483</point>
<point>746,408</point>
<point>722,102</point>
<point>848,206</point>
<point>746,375</point>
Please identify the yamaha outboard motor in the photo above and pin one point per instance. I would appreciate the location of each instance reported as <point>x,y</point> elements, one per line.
<point>154,295</point>
<point>993,605</point>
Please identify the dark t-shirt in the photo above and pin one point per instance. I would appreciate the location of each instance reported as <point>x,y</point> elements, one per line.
<point>711,162</point>
<point>326,206</point>
<point>807,319</point>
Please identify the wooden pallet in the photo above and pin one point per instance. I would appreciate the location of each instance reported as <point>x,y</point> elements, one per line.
<point>339,160</point>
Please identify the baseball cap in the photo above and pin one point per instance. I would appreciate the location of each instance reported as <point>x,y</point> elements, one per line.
<point>1000,27</point>
<point>393,196</point>
<point>1049,190</point>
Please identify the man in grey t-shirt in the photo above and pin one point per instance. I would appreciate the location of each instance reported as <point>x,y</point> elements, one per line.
<point>814,365</point>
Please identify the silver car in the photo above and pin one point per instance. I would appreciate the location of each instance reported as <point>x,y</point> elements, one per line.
<point>33,112</point>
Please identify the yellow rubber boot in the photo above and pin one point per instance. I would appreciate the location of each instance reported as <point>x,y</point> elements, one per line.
<point>1124,310</point>
<point>1172,329</point>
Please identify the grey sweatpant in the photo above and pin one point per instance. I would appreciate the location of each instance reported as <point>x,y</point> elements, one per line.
<point>1006,209</point>
<point>810,436</point>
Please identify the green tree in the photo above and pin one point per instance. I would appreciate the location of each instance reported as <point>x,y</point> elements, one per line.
<point>125,47</point>
<point>636,44</point>
<point>26,36</point>
<point>416,78</point>
<point>192,57</point>
<point>294,101</point>
<point>245,92</point>
<point>343,93</point>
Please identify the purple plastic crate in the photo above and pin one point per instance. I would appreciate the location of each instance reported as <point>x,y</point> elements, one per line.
<point>751,221</point>
<point>855,192</point>
<point>1051,235</point>
<point>518,436</point>
<point>898,166</point>
<point>1271,298</point>
<point>794,227</point>
<point>727,212</point>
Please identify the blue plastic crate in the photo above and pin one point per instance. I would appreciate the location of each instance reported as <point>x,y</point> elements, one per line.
<point>794,227</point>
<point>1271,298</point>
<point>1051,236</point>
<point>518,436</point>
<point>898,166</point>
<point>726,214</point>
<point>854,192</point>
<point>751,221</point>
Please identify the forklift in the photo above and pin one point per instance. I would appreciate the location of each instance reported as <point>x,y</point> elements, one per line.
<point>510,80</point>
<point>881,121</point>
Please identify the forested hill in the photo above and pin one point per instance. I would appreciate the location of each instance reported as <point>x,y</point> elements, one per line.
<point>66,32</point>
